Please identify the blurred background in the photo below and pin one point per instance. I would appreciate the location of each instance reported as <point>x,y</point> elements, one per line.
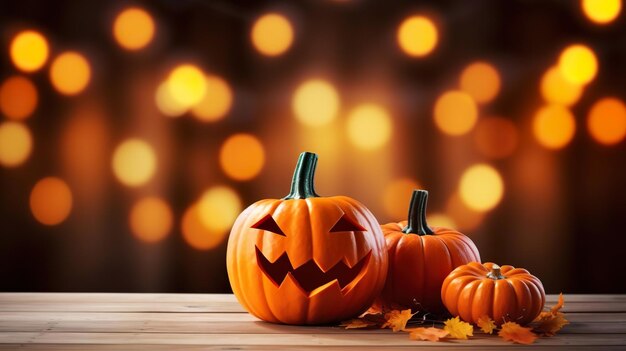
<point>132,133</point>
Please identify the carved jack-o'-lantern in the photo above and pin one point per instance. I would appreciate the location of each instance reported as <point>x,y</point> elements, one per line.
<point>306,259</point>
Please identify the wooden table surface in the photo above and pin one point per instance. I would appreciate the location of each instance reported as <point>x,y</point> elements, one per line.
<point>98,321</point>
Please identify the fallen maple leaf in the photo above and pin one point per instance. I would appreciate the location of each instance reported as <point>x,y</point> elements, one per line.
<point>356,323</point>
<point>512,331</point>
<point>396,320</point>
<point>458,329</point>
<point>550,323</point>
<point>560,303</point>
<point>486,324</point>
<point>430,334</point>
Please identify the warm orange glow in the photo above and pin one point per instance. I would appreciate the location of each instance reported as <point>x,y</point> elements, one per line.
<point>496,137</point>
<point>464,217</point>
<point>601,11</point>
<point>369,127</point>
<point>440,220</point>
<point>272,34</point>
<point>607,121</point>
<point>151,219</point>
<point>18,97</point>
<point>16,144</point>
<point>396,198</point>
<point>196,234</point>
<point>29,50</point>
<point>70,73</point>
<point>481,187</point>
<point>216,102</point>
<point>455,113</point>
<point>134,162</point>
<point>133,28</point>
<point>242,156</point>
<point>554,126</point>
<point>51,201</point>
<point>166,103</point>
<point>187,85</point>
<point>218,208</point>
<point>315,103</point>
<point>481,80</point>
<point>556,89</point>
<point>578,64</point>
<point>417,36</point>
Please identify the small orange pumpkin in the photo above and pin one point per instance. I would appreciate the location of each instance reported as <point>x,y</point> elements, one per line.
<point>506,294</point>
<point>420,258</point>
<point>306,259</point>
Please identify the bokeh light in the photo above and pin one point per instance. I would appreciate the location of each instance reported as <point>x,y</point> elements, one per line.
<point>187,85</point>
<point>133,28</point>
<point>369,127</point>
<point>556,89</point>
<point>601,11</point>
<point>51,201</point>
<point>218,208</point>
<point>417,36</point>
<point>217,100</point>
<point>554,126</point>
<point>396,198</point>
<point>315,103</point>
<point>134,162</point>
<point>29,50</point>
<point>606,121</point>
<point>464,218</point>
<point>151,219</point>
<point>437,219</point>
<point>70,73</point>
<point>272,34</point>
<point>455,113</point>
<point>496,137</point>
<point>18,97</point>
<point>242,156</point>
<point>16,144</point>
<point>481,187</point>
<point>481,80</point>
<point>166,103</point>
<point>196,234</point>
<point>578,64</point>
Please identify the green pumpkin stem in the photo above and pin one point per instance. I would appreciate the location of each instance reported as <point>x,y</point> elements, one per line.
<point>302,181</point>
<point>417,214</point>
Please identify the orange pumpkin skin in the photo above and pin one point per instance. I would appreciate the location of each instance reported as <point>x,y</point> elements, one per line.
<point>317,239</point>
<point>503,293</point>
<point>421,259</point>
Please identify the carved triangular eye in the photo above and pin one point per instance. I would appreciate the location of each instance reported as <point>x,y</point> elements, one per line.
<point>345,224</point>
<point>268,223</point>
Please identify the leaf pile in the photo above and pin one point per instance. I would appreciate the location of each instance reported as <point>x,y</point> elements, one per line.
<point>546,324</point>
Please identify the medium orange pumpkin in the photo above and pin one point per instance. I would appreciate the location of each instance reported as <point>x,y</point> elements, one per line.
<point>506,294</point>
<point>420,258</point>
<point>306,259</point>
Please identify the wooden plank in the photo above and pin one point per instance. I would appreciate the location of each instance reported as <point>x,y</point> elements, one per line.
<point>152,347</point>
<point>214,323</point>
<point>294,339</point>
<point>199,303</point>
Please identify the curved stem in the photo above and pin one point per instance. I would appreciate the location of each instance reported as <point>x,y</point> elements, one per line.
<point>302,181</point>
<point>417,214</point>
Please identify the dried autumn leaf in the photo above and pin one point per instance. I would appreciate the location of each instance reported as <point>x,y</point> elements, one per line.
<point>356,323</point>
<point>458,329</point>
<point>486,324</point>
<point>512,331</point>
<point>560,303</point>
<point>430,334</point>
<point>550,323</point>
<point>396,320</point>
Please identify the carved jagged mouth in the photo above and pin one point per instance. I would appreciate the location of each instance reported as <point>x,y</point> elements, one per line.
<point>310,276</point>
